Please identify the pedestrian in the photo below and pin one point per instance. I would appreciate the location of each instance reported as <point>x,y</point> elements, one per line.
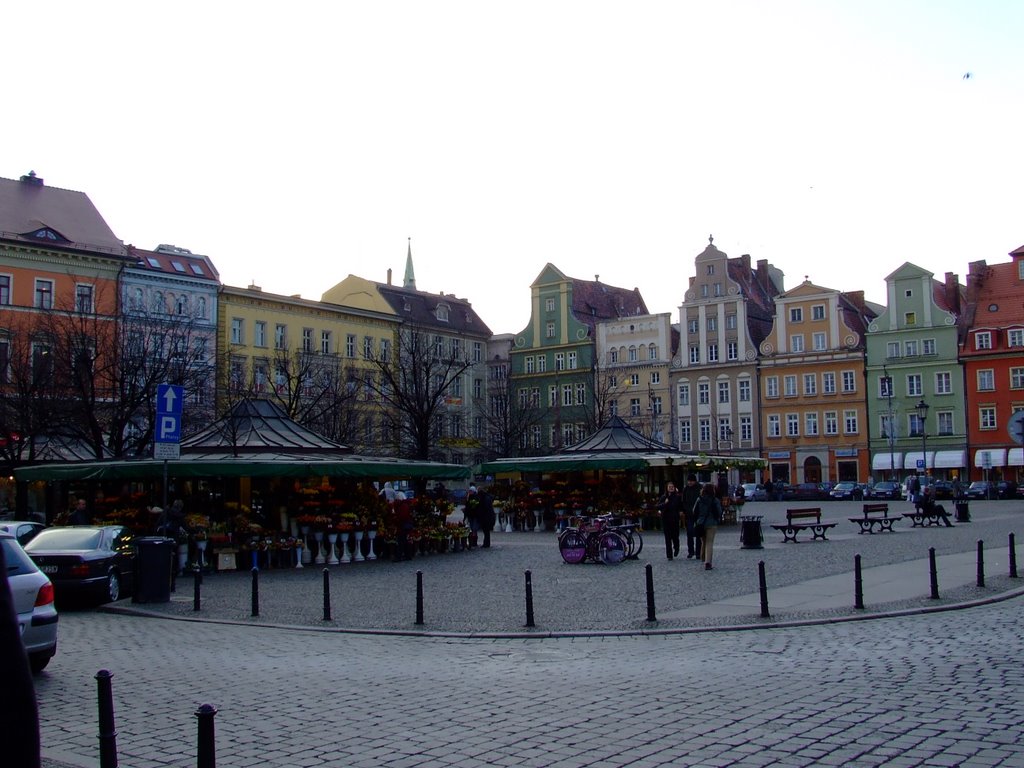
<point>79,515</point>
<point>471,513</point>
<point>913,490</point>
<point>486,516</point>
<point>957,489</point>
<point>670,505</point>
<point>768,489</point>
<point>388,492</point>
<point>709,515</point>
<point>691,492</point>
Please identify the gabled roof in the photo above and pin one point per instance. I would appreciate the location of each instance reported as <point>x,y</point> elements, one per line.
<point>259,426</point>
<point>593,301</point>
<point>421,309</point>
<point>616,435</point>
<point>28,206</point>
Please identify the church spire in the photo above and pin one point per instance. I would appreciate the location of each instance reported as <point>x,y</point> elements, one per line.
<point>410,276</point>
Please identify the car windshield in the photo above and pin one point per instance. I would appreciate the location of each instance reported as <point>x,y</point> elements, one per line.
<point>979,484</point>
<point>65,538</point>
<point>843,486</point>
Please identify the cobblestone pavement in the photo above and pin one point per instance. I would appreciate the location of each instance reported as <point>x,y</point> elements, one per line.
<point>943,689</point>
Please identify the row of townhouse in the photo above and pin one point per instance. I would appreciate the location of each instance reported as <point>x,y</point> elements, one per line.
<point>820,383</point>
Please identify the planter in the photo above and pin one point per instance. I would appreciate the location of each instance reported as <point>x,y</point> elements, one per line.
<point>332,539</point>
<point>371,535</point>
<point>321,554</point>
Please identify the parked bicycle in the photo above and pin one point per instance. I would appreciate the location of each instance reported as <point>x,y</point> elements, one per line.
<point>601,540</point>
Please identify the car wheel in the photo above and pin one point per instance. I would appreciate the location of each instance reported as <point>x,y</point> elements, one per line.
<point>113,593</point>
<point>37,661</point>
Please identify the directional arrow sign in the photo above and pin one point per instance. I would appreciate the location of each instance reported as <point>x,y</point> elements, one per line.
<point>167,437</point>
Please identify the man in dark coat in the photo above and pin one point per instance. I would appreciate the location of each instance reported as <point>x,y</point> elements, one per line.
<point>670,506</point>
<point>486,516</point>
<point>691,492</point>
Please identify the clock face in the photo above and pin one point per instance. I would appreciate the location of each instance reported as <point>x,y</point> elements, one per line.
<point>1016,427</point>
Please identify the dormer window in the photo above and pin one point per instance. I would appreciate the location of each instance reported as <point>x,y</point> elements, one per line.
<point>155,263</point>
<point>441,313</point>
<point>45,233</point>
<point>407,306</point>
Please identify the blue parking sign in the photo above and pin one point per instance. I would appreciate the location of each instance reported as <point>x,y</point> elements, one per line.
<point>169,398</point>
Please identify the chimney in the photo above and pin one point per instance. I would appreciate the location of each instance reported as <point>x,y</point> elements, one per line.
<point>745,263</point>
<point>389,275</point>
<point>254,287</point>
<point>951,292</point>
<point>762,278</point>
<point>857,299</point>
<point>31,178</point>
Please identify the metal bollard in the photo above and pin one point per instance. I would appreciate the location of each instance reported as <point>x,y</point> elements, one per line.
<point>107,734</point>
<point>419,597</point>
<point>529,599</point>
<point>858,584</point>
<point>1013,558</point>
<point>327,595</point>
<point>650,592</point>
<point>206,749</point>
<point>255,591</point>
<point>763,588</point>
<point>933,573</point>
<point>197,579</point>
<point>981,563</point>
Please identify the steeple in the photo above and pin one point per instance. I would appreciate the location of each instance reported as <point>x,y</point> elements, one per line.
<point>410,276</point>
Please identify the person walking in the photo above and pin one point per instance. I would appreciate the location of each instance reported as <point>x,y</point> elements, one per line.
<point>471,514</point>
<point>485,516</point>
<point>691,492</point>
<point>670,506</point>
<point>709,515</point>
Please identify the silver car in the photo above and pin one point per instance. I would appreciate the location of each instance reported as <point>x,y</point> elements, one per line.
<point>33,602</point>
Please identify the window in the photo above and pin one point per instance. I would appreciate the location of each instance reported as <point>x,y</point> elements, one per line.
<point>718,289</point>
<point>811,423</point>
<point>552,396</point>
<point>771,386</point>
<point>703,393</point>
<point>694,354</point>
<point>704,291</point>
<point>325,342</point>
<point>885,422</point>
<point>892,349</point>
<point>850,426</point>
<point>796,342</point>
<point>828,383</point>
<point>478,352</point>
<point>656,405</point>
<point>987,417</point>
<point>567,394</point>
<point>307,339</point>
<point>549,330</point>
<point>712,323</point>
<point>652,351</point>
<point>530,365</point>
<point>810,384</point>
<point>684,395</point>
<point>455,345</point>
<point>1017,378</point>
<point>1014,336</point>
<point>613,381</point>
<point>910,318</point>
<point>5,360</point>
<point>581,394</point>
<point>44,294</point>
<point>796,314</point>
<point>849,382</point>
<point>559,361</point>
<point>692,325</point>
<point>181,306</point>
<point>819,342</point>
<point>5,289</point>
<point>711,269</point>
<point>279,336</point>
<point>634,406</point>
<point>237,331</point>
<point>613,356</point>
<point>789,385</point>
<point>744,390</point>
<point>159,306</point>
<point>945,422</point>
<point>632,354</point>
<point>712,353</point>
<point>259,334</point>
<point>986,379</point>
<point>730,322</point>
<point>705,430</point>
<point>42,363</point>
<point>983,340</point>
<point>367,346</point>
<point>613,408</point>
<point>542,363</point>
<point>549,305</point>
<point>792,425</point>
<point>915,425</point>
<point>943,383</point>
<point>723,392</point>
<point>914,385</point>
<point>910,348</point>
<point>83,299</point>
<point>732,351</point>
<point>350,345</point>
<point>774,425</point>
<point>655,377</point>
<point>746,428</point>
<point>818,312</point>
<point>685,436</point>
<point>928,346</point>
<point>724,430</point>
<point>831,423</point>
<point>571,361</point>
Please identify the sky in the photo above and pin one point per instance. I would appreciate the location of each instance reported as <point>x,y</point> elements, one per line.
<point>295,144</point>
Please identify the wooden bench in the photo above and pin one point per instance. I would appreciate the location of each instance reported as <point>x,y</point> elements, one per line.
<point>803,519</point>
<point>935,514</point>
<point>875,514</point>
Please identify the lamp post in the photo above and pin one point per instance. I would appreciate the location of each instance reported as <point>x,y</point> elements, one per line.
<point>922,417</point>
<point>890,422</point>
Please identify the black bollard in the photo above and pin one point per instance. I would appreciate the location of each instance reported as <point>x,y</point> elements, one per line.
<point>255,591</point>
<point>419,597</point>
<point>650,592</point>
<point>529,599</point>
<point>197,579</point>
<point>327,595</point>
<point>107,735</point>
<point>763,587</point>
<point>858,584</point>
<point>934,573</point>
<point>981,563</point>
<point>206,750</point>
<point>1013,558</point>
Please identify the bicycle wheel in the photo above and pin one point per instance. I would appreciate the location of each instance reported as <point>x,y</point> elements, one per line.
<point>573,546</point>
<point>612,547</point>
<point>636,544</point>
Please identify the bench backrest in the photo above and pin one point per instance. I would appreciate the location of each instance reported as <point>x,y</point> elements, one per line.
<point>803,514</point>
<point>870,509</point>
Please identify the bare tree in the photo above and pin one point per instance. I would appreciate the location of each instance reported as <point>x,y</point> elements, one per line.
<point>509,419</point>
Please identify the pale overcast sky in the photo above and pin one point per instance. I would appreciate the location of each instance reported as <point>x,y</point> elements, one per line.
<point>298,143</point>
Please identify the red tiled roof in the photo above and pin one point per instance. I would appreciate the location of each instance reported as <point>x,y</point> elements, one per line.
<point>593,301</point>
<point>1000,286</point>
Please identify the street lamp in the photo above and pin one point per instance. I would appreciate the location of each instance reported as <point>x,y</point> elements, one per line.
<point>922,418</point>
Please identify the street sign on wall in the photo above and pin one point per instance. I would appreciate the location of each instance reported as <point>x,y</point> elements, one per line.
<point>167,433</point>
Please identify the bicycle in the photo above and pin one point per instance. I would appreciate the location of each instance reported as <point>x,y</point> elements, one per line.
<point>593,540</point>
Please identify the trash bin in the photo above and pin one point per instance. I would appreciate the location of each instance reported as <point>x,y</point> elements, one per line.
<point>963,511</point>
<point>154,559</point>
<point>750,532</point>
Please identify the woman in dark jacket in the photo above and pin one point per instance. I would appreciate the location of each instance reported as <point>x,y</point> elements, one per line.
<point>709,515</point>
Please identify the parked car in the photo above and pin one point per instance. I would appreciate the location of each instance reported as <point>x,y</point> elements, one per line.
<point>980,489</point>
<point>805,492</point>
<point>847,491</point>
<point>1006,489</point>
<point>754,492</point>
<point>943,489</point>
<point>23,530</point>
<point>89,560</point>
<point>884,490</point>
<point>34,604</point>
